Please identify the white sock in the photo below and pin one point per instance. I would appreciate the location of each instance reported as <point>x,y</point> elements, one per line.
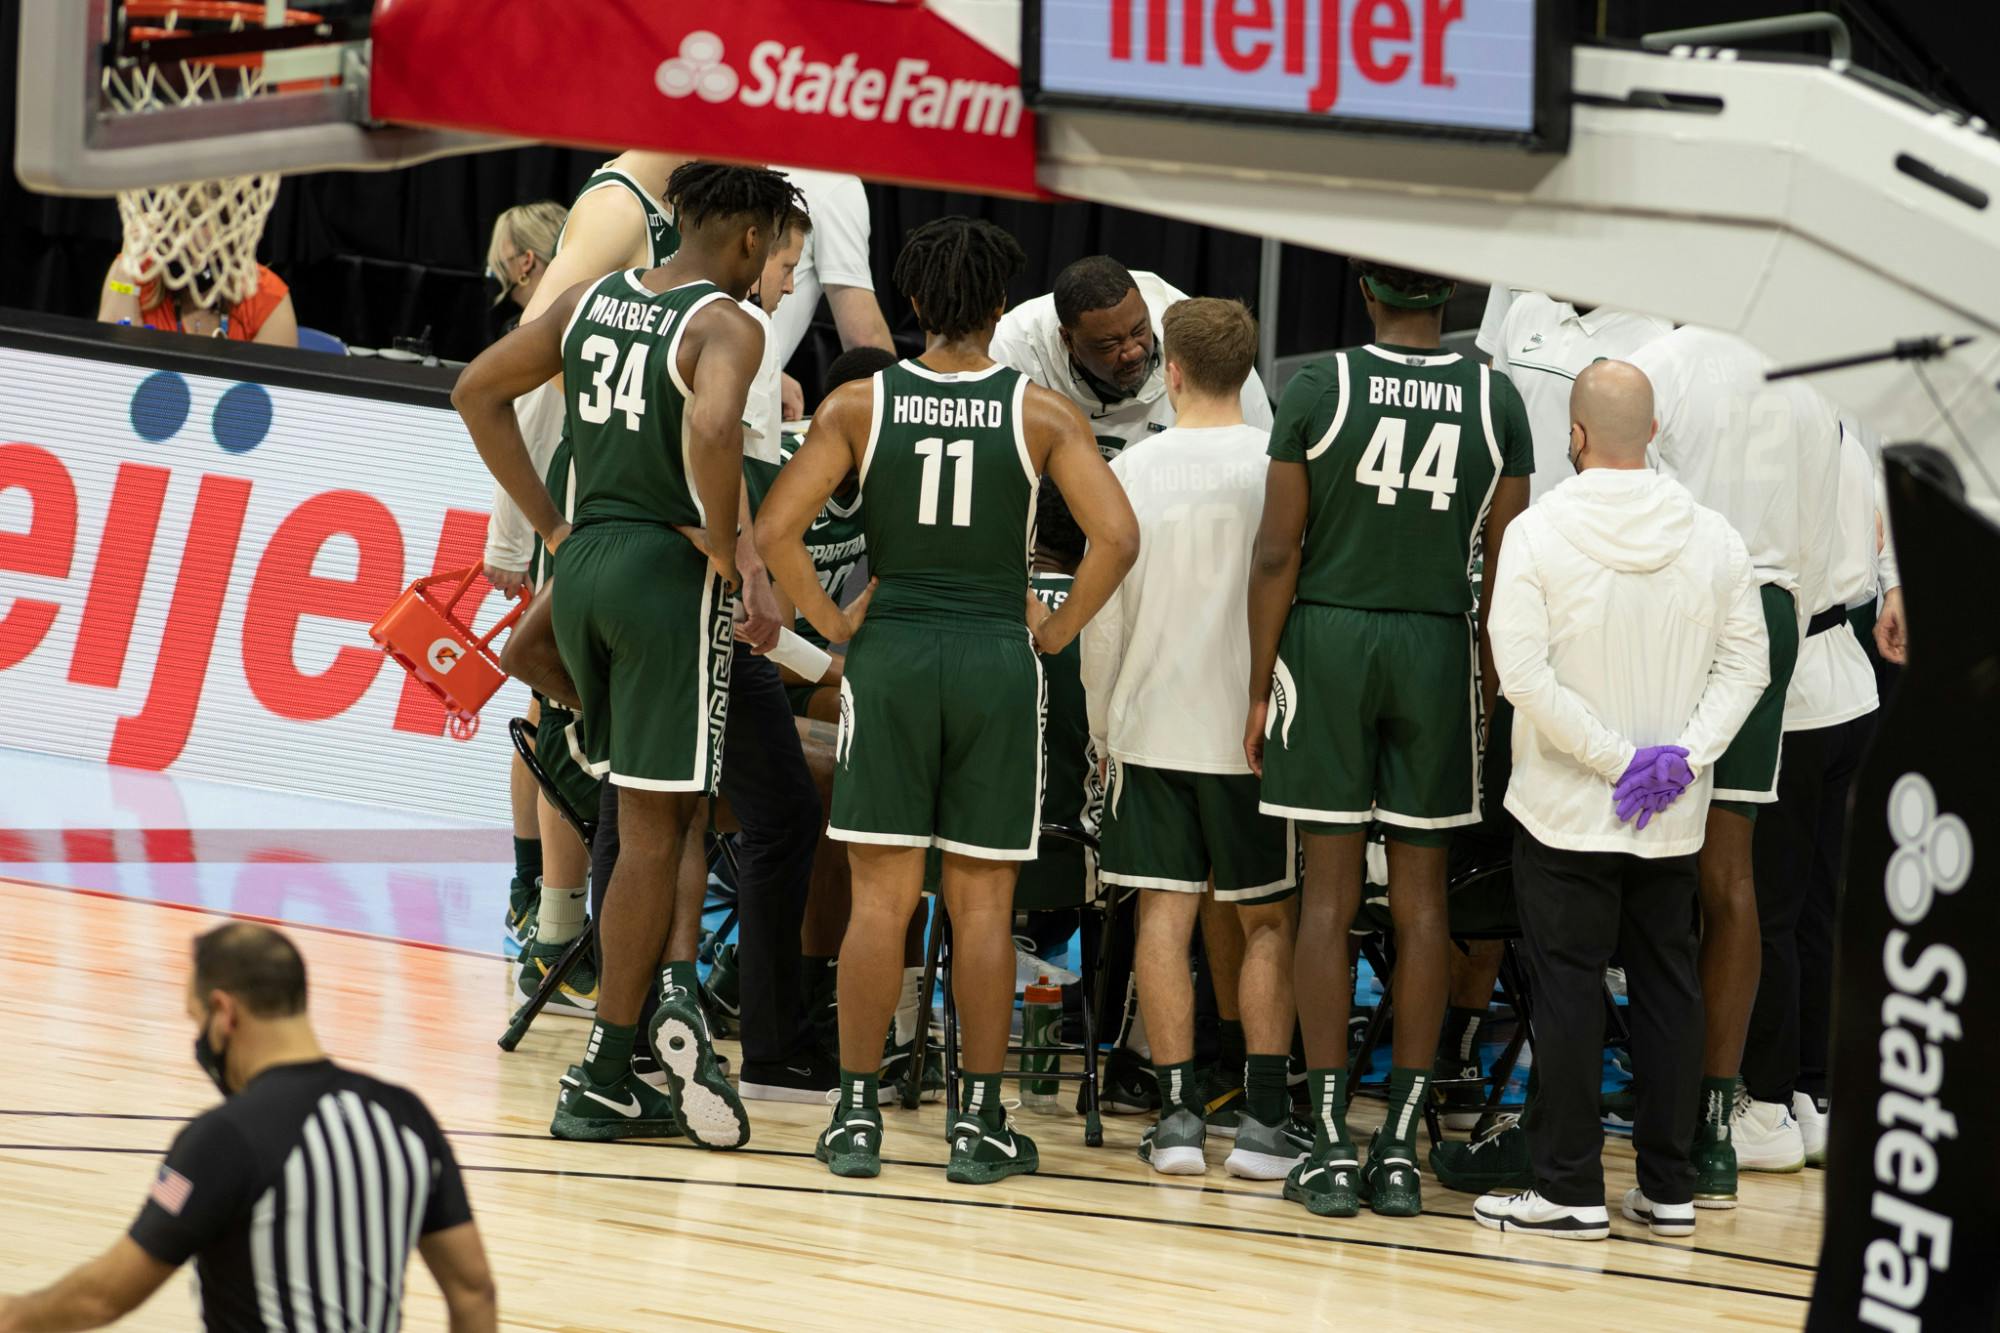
<point>908,1005</point>
<point>562,914</point>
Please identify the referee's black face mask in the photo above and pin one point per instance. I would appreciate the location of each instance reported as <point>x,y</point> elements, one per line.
<point>213,1059</point>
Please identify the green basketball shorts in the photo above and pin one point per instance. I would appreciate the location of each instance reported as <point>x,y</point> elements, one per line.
<point>1373,718</point>
<point>801,697</point>
<point>1747,773</point>
<point>1170,830</point>
<point>643,625</point>
<point>940,740</point>
<point>556,750</point>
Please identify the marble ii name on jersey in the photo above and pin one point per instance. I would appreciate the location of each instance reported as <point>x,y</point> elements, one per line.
<point>632,316</point>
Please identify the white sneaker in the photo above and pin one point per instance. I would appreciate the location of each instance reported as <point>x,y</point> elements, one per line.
<point>1765,1136</point>
<point>1812,1128</point>
<point>1529,1211</point>
<point>1666,1219</point>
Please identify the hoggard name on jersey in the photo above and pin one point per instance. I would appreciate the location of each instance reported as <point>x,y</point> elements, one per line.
<point>949,413</point>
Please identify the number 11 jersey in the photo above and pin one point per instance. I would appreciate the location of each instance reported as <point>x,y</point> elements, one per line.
<point>1403,449</point>
<point>950,496</point>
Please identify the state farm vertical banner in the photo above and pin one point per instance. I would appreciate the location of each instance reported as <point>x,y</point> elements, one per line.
<point>189,565</point>
<point>888,91</point>
<point>1913,1176</point>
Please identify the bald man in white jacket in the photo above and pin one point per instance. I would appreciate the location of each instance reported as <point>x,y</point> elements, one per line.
<point>1625,618</point>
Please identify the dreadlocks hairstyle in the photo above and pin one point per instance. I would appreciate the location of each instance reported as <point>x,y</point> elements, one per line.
<point>957,269</point>
<point>704,192</point>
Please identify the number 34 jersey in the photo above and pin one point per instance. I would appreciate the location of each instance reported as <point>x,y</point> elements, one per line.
<point>1403,449</point>
<point>627,407</point>
<point>950,496</point>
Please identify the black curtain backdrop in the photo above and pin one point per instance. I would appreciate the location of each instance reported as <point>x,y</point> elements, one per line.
<point>376,256</point>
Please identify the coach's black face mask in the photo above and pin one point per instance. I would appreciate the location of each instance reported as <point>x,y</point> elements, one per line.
<point>213,1059</point>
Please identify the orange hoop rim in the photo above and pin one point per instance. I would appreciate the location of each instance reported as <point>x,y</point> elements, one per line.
<point>138,13</point>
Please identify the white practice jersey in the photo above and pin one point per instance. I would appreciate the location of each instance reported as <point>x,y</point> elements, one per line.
<point>835,254</point>
<point>763,408</point>
<point>510,538</point>
<point>1834,681</point>
<point>1029,338</point>
<point>1166,663</point>
<point>1543,345</point>
<point>1765,456</point>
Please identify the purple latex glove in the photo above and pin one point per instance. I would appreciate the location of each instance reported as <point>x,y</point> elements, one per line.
<point>1655,778</point>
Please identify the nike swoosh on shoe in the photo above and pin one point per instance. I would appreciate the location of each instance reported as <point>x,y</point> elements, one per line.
<point>628,1108</point>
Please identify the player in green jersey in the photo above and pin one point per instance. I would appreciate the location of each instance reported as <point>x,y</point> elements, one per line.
<point>940,742</point>
<point>656,368</point>
<point>1392,466</point>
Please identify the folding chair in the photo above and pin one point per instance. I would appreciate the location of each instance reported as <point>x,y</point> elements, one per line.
<point>1058,880</point>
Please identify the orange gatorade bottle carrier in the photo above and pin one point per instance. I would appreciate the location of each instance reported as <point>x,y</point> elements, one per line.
<point>423,634</point>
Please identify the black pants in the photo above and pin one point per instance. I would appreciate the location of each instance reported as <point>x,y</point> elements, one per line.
<point>770,790</point>
<point>1576,908</point>
<point>1796,852</point>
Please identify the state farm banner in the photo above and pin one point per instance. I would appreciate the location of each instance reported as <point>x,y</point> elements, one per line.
<point>189,566</point>
<point>888,91</point>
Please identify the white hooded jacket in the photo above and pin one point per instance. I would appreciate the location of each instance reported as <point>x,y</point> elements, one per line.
<point>1624,615</point>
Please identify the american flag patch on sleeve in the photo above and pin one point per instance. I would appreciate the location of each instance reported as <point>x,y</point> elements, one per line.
<point>170,1190</point>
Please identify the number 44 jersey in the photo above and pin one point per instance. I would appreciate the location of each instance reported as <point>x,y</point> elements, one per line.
<point>1403,449</point>
<point>949,495</point>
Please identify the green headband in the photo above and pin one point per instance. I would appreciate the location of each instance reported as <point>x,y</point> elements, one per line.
<point>1401,300</point>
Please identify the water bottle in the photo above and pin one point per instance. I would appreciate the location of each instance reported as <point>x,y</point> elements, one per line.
<point>1041,1025</point>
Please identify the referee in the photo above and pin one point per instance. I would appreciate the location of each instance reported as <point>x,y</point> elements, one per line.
<point>300,1197</point>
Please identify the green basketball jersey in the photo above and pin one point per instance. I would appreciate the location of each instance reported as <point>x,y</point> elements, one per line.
<point>626,407</point>
<point>950,495</point>
<point>1066,730</point>
<point>835,542</point>
<point>1403,449</point>
<point>661,234</point>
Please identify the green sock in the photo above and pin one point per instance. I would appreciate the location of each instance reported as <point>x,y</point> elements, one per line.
<point>857,1093</point>
<point>1229,1050</point>
<point>1177,1090</point>
<point>1328,1109</point>
<point>682,975</point>
<point>1459,1046</point>
<point>1407,1090</point>
<point>1718,1103</point>
<point>1265,1094</point>
<point>608,1058</point>
<point>527,859</point>
<point>982,1099</point>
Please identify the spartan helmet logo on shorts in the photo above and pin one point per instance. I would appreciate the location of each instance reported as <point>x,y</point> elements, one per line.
<point>844,741</point>
<point>697,69</point>
<point>443,655</point>
<point>1284,704</point>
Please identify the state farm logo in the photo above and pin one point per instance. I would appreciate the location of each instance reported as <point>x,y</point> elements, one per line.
<point>781,77</point>
<point>443,655</point>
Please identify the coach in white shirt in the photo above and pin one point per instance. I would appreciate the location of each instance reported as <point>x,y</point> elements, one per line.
<point>835,265</point>
<point>1165,665</point>
<point>1626,620</point>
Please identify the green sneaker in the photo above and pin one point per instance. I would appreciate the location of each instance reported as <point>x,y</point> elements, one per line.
<point>896,1063</point>
<point>1326,1183</point>
<point>523,901</point>
<point>725,992</point>
<point>1174,1145</point>
<point>628,1109</point>
<point>1222,1094</point>
<point>578,993</point>
<point>983,1153</point>
<point>852,1145</point>
<point>1497,1162</point>
<point>1714,1169</point>
<point>710,1110</point>
<point>573,1078</point>
<point>1267,1152</point>
<point>1389,1181</point>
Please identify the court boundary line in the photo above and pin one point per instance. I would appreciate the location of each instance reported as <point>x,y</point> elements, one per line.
<point>341,931</point>
<point>1648,1242</point>
<point>1045,1210</point>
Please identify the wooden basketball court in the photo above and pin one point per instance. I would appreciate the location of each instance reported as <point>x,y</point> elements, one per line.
<point>662,1235</point>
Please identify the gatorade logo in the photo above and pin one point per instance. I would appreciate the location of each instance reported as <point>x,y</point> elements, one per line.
<point>443,655</point>
<point>782,77</point>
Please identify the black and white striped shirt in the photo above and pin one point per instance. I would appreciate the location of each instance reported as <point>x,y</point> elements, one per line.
<point>300,1200</point>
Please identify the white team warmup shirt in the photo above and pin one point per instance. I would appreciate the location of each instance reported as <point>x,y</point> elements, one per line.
<point>1764,456</point>
<point>1834,681</point>
<point>510,538</point>
<point>763,408</point>
<point>1166,663</point>
<point>1543,345</point>
<point>1029,338</point>
<point>835,255</point>
<point>1624,615</point>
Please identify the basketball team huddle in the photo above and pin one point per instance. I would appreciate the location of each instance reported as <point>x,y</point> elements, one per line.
<point>1278,622</point>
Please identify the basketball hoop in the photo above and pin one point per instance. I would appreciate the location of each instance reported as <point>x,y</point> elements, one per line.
<point>195,236</point>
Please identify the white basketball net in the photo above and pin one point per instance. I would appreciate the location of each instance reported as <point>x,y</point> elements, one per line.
<point>200,236</point>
